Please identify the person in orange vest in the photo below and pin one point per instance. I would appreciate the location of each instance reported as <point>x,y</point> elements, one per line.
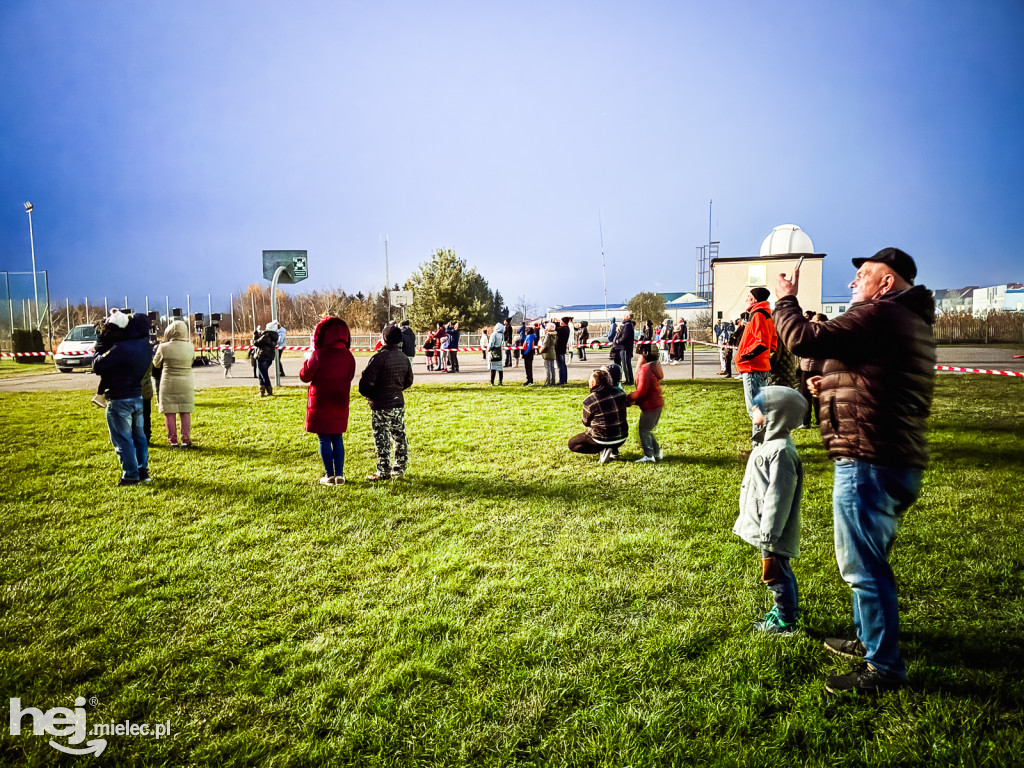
<point>753,358</point>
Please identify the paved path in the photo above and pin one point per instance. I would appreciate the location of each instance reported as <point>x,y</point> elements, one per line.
<point>473,369</point>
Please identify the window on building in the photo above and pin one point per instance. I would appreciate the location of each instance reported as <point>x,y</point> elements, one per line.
<point>757,275</point>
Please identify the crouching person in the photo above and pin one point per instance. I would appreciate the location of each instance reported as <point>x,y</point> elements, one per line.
<point>604,416</point>
<point>385,377</point>
<point>770,501</point>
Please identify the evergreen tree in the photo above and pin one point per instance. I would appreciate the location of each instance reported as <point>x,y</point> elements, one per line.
<point>444,289</point>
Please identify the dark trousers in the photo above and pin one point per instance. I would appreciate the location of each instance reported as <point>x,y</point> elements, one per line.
<point>563,371</point>
<point>453,360</point>
<point>813,404</point>
<point>584,443</point>
<point>784,589</point>
<point>147,412</point>
<point>528,365</point>
<point>627,367</point>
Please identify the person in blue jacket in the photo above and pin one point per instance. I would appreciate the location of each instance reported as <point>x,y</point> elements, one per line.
<point>122,368</point>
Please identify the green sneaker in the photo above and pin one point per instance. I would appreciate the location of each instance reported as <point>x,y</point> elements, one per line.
<point>773,625</point>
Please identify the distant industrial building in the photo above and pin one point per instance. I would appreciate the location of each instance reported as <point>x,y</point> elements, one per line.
<point>680,305</point>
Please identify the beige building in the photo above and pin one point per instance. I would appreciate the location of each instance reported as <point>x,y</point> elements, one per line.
<point>732,278</point>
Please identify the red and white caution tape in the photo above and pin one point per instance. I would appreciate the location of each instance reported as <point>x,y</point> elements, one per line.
<point>956,369</point>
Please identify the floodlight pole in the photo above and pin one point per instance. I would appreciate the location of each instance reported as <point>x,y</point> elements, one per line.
<point>273,318</point>
<point>32,246</point>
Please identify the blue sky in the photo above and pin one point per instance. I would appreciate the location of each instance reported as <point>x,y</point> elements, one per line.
<point>165,144</point>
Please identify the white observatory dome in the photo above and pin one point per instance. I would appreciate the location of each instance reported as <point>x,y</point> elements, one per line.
<point>785,239</point>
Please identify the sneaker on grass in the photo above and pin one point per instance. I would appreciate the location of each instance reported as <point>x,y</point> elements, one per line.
<point>326,480</point>
<point>645,460</point>
<point>864,679</point>
<point>773,625</point>
<point>606,455</point>
<point>851,649</point>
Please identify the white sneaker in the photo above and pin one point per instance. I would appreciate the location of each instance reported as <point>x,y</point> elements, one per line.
<point>659,455</point>
<point>326,480</point>
<point>645,460</point>
<point>606,455</point>
<point>339,480</point>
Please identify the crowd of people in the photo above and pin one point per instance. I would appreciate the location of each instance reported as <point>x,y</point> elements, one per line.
<point>866,376</point>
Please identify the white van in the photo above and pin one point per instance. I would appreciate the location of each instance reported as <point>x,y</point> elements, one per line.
<point>77,350</point>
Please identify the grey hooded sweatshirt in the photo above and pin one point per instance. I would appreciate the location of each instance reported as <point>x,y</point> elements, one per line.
<point>773,483</point>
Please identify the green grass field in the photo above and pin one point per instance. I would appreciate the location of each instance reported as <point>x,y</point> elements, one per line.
<point>506,603</point>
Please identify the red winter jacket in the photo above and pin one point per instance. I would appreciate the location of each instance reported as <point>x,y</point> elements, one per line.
<point>648,387</point>
<point>758,342</point>
<point>329,371</point>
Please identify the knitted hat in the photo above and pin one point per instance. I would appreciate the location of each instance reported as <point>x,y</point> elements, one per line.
<point>118,318</point>
<point>393,335</point>
<point>760,294</point>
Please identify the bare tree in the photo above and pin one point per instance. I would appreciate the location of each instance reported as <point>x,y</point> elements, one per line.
<point>525,306</point>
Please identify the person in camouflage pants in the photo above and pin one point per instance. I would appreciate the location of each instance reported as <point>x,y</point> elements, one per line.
<point>387,375</point>
<point>389,426</point>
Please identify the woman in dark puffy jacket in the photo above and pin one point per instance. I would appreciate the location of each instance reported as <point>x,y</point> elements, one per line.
<point>329,370</point>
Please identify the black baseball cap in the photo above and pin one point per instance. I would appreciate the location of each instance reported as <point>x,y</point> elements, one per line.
<point>899,261</point>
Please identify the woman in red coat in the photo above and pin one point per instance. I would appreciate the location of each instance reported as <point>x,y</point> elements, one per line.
<point>329,371</point>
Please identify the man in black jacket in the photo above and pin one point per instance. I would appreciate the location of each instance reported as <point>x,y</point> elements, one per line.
<point>876,393</point>
<point>122,368</point>
<point>622,347</point>
<point>408,340</point>
<point>562,333</point>
<point>386,377</point>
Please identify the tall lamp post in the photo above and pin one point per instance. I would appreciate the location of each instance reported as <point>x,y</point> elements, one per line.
<point>32,245</point>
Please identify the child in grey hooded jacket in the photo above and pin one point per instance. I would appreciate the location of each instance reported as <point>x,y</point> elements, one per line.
<point>770,501</point>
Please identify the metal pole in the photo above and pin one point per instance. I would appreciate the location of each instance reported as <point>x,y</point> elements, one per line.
<point>231,299</point>
<point>387,277</point>
<point>147,305</point>
<point>86,310</point>
<point>49,314</point>
<point>67,307</point>
<point>692,348</point>
<point>273,318</point>
<point>125,303</point>
<point>167,309</point>
<point>106,309</point>
<point>604,277</point>
<point>188,310</point>
<point>32,245</point>
<point>10,304</point>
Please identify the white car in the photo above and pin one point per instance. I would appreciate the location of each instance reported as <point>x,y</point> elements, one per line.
<point>77,350</point>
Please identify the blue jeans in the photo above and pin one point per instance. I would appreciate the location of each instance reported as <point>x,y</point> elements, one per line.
<point>563,372</point>
<point>753,383</point>
<point>332,451</point>
<point>784,589</point>
<point>127,433</point>
<point>868,502</point>
<point>263,369</point>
